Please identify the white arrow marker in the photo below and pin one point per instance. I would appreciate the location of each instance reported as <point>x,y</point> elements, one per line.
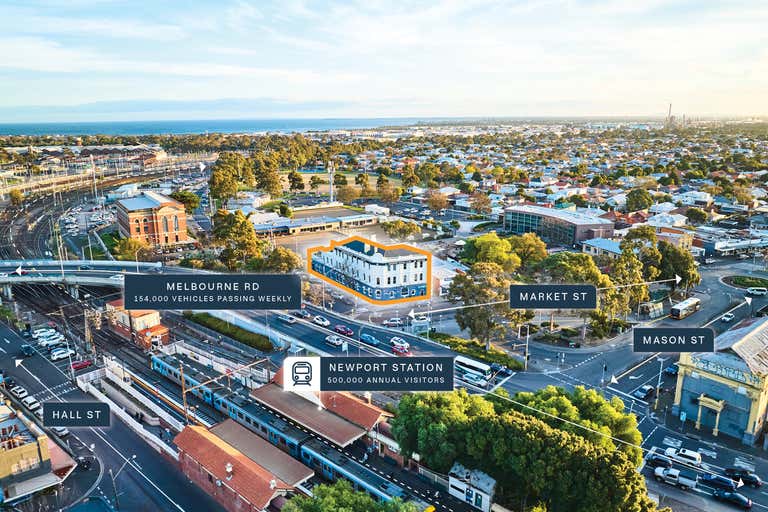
<point>614,380</point>
<point>411,314</point>
<point>748,300</point>
<point>740,483</point>
<point>18,362</point>
<point>18,270</point>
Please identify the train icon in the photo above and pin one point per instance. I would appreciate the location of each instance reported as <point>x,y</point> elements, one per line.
<point>301,373</point>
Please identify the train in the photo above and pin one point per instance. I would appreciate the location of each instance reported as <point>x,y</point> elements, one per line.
<point>327,461</point>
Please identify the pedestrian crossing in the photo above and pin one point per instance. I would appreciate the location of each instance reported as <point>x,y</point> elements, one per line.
<point>55,391</point>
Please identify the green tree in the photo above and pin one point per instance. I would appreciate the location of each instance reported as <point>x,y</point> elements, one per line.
<point>484,283</point>
<point>399,229</point>
<point>295,181</point>
<point>638,199</point>
<point>339,179</point>
<point>235,233</point>
<point>280,260</point>
<point>644,242</point>
<point>436,201</point>
<point>409,178</point>
<point>189,199</point>
<point>16,196</point>
<point>129,249</point>
<point>222,184</point>
<point>489,248</point>
<point>675,261</point>
<point>628,269</point>
<point>529,248</point>
<point>341,497</point>
<point>696,215</point>
<point>347,194</point>
<point>314,182</point>
<point>284,210</point>
<point>481,203</point>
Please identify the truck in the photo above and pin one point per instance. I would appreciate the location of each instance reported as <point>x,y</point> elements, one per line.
<point>677,477</point>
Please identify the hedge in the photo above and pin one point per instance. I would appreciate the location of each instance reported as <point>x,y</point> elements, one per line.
<point>252,339</point>
<point>476,350</point>
<point>749,282</point>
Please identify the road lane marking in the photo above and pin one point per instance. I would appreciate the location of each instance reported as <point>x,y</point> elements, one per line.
<point>6,340</point>
<point>672,441</point>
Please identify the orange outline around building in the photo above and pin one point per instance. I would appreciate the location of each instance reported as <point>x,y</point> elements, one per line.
<point>336,243</point>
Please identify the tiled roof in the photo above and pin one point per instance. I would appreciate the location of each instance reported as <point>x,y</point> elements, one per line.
<point>352,408</point>
<point>248,479</point>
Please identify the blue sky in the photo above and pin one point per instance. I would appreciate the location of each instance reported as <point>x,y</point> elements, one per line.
<point>104,59</point>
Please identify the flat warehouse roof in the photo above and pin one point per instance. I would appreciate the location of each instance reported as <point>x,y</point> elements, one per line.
<point>306,413</point>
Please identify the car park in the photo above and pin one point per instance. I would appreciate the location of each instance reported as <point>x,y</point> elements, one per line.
<point>684,456</point>
<point>369,339</point>
<point>727,317</point>
<point>81,365</point>
<point>30,403</point>
<point>62,353</point>
<point>744,475</point>
<point>334,340</point>
<point>717,482</point>
<point>19,392</point>
<point>733,498</point>
<point>644,393</point>
<point>286,319</point>
<point>322,321</point>
<point>343,329</point>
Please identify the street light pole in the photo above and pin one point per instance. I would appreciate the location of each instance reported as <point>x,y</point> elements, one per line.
<point>114,476</point>
<point>527,337</point>
<point>658,383</point>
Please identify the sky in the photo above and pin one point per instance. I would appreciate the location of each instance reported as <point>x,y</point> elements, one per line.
<point>80,60</point>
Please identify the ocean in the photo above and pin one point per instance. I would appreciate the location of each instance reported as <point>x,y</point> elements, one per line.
<point>207,125</point>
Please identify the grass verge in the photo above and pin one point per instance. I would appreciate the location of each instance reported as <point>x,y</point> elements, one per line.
<point>475,350</point>
<point>252,339</point>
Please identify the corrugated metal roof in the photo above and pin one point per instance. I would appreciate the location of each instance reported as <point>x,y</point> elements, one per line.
<point>749,340</point>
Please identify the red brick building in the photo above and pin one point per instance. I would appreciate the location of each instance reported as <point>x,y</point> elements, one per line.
<point>239,469</point>
<point>152,218</point>
<point>142,326</point>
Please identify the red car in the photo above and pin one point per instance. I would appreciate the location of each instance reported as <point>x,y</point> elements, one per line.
<point>401,351</point>
<point>81,365</point>
<point>343,329</point>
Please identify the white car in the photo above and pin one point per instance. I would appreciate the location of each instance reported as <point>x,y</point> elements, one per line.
<point>684,456</point>
<point>19,392</point>
<point>118,277</point>
<point>61,353</point>
<point>400,343</point>
<point>37,333</point>
<point>471,378</point>
<point>727,317</point>
<point>60,431</point>
<point>30,403</point>
<point>334,340</point>
<point>321,320</point>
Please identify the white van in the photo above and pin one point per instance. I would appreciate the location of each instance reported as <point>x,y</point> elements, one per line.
<point>30,403</point>
<point>757,291</point>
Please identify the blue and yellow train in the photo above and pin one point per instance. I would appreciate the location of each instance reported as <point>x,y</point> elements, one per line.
<point>324,458</point>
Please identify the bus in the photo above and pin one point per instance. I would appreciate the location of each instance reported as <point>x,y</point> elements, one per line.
<point>685,308</point>
<point>465,365</point>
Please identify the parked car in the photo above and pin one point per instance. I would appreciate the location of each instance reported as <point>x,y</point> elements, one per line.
<point>56,346</point>
<point>393,322</point>
<point>369,339</point>
<point>62,353</point>
<point>732,497</point>
<point>334,340</point>
<point>19,392</point>
<point>727,317</point>
<point>658,461</point>
<point>286,319</point>
<point>343,329</point>
<point>81,365</point>
<point>42,332</point>
<point>60,431</point>
<point>746,476</point>
<point>672,370</point>
<point>718,482</point>
<point>677,477</point>
<point>322,321</point>
<point>644,393</point>
<point>30,403</point>
<point>684,456</point>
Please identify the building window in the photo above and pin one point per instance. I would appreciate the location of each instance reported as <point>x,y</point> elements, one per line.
<point>176,223</point>
<point>165,224</point>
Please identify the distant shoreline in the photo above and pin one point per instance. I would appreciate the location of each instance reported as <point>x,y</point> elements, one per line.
<point>255,126</point>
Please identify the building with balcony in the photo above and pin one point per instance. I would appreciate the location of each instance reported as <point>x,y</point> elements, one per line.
<point>374,272</point>
<point>152,218</point>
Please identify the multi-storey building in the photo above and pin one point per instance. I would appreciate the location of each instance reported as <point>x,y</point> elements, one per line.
<point>375,272</point>
<point>142,326</point>
<point>558,226</point>
<point>152,218</point>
